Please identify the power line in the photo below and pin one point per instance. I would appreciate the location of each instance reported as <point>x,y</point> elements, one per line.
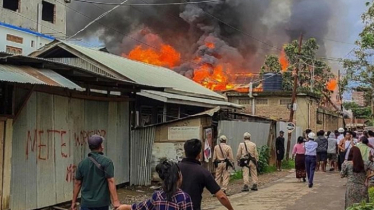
<point>149,4</point>
<point>98,18</point>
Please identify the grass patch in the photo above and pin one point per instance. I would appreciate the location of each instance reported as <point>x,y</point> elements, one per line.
<point>237,175</point>
<point>288,164</point>
<point>371,194</point>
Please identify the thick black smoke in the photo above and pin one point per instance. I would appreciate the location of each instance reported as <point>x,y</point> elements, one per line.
<point>243,31</point>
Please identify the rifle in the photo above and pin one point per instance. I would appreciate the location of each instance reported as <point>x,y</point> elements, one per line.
<point>227,161</point>
<point>250,158</point>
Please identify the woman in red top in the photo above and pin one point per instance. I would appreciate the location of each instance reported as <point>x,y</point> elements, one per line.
<point>299,152</point>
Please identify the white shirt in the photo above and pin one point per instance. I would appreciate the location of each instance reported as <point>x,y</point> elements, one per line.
<point>340,137</point>
<point>311,148</point>
<point>347,148</point>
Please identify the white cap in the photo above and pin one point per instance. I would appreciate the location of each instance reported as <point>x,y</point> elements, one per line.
<point>223,138</point>
<point>247,135</point>
<point>311,135</point>
<point>341,130</point>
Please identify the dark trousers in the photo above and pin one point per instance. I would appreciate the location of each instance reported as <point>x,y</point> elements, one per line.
<point>310,166</point>
<point>341,160</point>
<point>95,208</point>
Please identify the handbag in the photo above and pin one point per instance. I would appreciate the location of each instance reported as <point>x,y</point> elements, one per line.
<point>244,162</point>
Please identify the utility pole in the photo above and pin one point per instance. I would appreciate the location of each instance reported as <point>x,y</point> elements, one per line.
<point>340,96</point>
<point>294,93</point>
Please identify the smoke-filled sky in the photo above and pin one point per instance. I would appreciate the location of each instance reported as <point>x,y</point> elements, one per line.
<point>244,31</point>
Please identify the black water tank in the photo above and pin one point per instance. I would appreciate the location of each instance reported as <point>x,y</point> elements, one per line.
<point>272,82</point>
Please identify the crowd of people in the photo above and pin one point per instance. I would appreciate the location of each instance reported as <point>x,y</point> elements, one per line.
<point>182,183</point>
<point>345,151</point>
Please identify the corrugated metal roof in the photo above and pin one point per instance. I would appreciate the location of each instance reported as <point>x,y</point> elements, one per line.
<point>29,75</point>
<point>145,74</point>
<point>176,98</point>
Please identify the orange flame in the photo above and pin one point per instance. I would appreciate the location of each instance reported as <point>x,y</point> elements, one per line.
<point>332,84</point>
<point>283,61</point>
<point>167,56</point>
<point>210,45</point>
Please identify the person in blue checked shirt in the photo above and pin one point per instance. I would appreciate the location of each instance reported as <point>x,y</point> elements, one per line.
<point>171,197</point>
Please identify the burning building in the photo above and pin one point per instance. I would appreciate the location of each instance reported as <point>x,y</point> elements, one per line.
<point>220,45</point>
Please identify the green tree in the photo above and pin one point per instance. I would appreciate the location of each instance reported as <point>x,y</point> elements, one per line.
<point>358,112</point>
<point>361,68</point>
<point>308,61</point>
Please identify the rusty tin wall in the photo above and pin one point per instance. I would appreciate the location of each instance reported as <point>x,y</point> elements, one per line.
<point>141,155</point>
<point>49,141</point>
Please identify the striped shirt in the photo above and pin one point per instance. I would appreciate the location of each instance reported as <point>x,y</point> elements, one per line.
<point>180,201</point>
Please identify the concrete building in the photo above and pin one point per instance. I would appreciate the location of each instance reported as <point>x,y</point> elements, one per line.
<point>358,97</point>
<point>275,105</point>
<point>27,25</point>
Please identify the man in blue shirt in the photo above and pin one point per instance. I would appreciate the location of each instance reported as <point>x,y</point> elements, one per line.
<point>310,157</point>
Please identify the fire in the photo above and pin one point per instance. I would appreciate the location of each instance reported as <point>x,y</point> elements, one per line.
<point>283,61</point>
<point>166,56</point>
<point>210,45</point>
<point>332,84</point>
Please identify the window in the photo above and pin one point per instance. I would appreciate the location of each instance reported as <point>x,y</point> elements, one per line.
<point>160,114</point>
<point>13,50</point>
<point>145,115</point>
<point>15,39</point>
<point>285,101</point>
<point>319,118</point>
<point>32,43</point>
<point>48,13</point>
<point>245,101</point>
<point>11,4</point>
<point>262,101</point>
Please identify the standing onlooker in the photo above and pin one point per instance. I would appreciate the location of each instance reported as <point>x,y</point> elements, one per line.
<point>247,156</point>
<point>339,138</point>
<point>307,131</point>
<point>332,151</point>
<point>321,150</point>
<point>355,170</point>
<point>279,147</point>
<point>371,140</point>
<point>221,156</point>
<point>95,176</point>
<point>364,148</point>
<point>196,177</point>
<point>365,133</point>
<point>345,146</point>
<point>310,157</point>
<point>298,153</point>
<point>170,197</point>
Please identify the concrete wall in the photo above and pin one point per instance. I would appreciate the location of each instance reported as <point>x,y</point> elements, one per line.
<point>26,44</point>
<point>305,115</point>
<point>26,16</point>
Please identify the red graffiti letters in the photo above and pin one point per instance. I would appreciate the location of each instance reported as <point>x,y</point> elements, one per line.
<point>41,142</point>
<point>70,172</point>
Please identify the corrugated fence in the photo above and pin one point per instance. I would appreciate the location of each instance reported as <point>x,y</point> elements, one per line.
<point>234,131</point>
<point>50,139</point>
<point>141,155</point>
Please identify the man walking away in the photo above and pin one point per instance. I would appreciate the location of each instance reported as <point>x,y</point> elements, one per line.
<point>310,157</point>
<point>247,157</point>
<point>223,159</point>
<point>279,147</point>
<point>364,148</point>
<point>94,177</point>
<point>196,177</point>
<point>321,150</point>
<point>332,151</point>
<point>339,138</point>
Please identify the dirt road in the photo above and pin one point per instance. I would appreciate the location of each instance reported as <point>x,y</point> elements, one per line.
<point>289,194</point>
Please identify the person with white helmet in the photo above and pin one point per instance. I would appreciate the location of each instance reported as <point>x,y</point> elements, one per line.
<point>223,159</point>
<point>311,157</point>
<point>247,157</point>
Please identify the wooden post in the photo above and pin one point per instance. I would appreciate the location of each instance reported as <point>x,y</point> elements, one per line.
<point>294,93</point>
<point>7,164</point>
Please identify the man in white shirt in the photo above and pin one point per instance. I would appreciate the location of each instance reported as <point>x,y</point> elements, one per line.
<point>371,141</point>
<point>338,140</point>
<point>311,157</point>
